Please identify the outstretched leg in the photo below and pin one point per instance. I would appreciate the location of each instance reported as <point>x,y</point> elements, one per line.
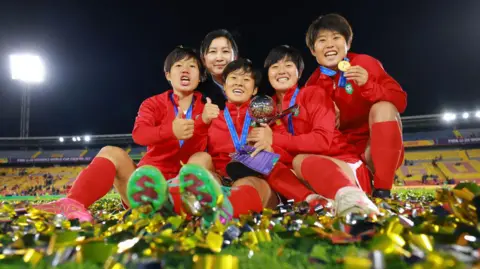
<point>334,179</point>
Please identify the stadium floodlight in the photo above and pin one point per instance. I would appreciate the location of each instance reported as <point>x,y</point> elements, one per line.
<point>86,138</point>
<point>477,114</point>
<point>465,115</point>
<point>61,139</point>
<point>79,139</point>
<point>449,116</point>
<point>74,139</point>
<point>29,69</point>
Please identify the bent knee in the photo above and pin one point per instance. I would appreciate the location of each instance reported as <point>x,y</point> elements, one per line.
<point>251,181</point>
<point>200,158</point>
<point>383,111</point>
<point>201,155</point>
<point>297,161</point>
<point>115,154</point>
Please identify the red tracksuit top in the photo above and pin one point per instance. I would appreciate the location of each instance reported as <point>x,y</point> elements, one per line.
<point>220,143</point>
<point>153,128</point>
<point>355,108</point>
<point>314,127</point>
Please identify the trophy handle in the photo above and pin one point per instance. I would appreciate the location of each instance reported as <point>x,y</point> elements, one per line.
<point>284,113</point>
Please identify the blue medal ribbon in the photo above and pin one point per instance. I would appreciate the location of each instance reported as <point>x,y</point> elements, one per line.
<point>189,112</point>
<point>342,81</point>
<point>290,116</point>
<point>237,142</point>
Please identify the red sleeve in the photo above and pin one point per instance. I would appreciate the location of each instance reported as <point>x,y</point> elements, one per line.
<point>149,128</point>
<point>380,86</point>
<point>321,115</point>
<point>285,157</point>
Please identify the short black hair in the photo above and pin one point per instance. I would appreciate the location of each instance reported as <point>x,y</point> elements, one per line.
<point>332,22</point>
<point>246,66</point>
<point>207,41</point>
<point>285,52</point>
<point>180,53</point>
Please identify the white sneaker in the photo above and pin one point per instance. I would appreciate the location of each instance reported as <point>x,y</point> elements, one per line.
<point>353,199</point>
<point>312,197</point>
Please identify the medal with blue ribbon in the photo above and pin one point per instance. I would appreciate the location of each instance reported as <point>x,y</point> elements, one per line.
<point>342,81</point>
<point>188,116</point>
<point>237,142</point>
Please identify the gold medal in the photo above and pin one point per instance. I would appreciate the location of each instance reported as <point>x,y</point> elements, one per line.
<point>343,66</point>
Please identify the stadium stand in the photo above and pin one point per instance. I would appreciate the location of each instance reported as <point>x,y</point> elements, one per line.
<point>470,133</point>
<point>60,153</point>
<point>45,166</point>
<point>18,153</point>
<point>439,166</point>
<point>137,153</point>
<point>473,154</point>
<point>36,180</point>
<point>428,135</point>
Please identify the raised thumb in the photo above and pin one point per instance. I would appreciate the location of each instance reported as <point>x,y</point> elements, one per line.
<point>180,113</point>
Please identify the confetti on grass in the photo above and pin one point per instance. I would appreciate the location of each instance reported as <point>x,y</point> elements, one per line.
<point>416,229</point>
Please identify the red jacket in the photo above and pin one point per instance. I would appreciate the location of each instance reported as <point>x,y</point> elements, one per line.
<point>220,143</point>
<point>314,127</point>
<point>153,128</point>
<point>355,108</point>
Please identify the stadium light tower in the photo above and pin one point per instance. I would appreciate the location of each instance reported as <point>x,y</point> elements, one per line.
<point>28,69</point>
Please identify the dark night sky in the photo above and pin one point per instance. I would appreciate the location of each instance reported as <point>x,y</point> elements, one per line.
<point>104,58</point>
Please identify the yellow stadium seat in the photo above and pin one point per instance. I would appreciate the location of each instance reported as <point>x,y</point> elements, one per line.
<point>473,153</point>
<point>462,170</point>
<point>431,155</point>
<point>417,171</point>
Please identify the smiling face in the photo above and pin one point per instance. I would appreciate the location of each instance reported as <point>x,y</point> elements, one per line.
<point>283,75</point>
<point>330,48</point>
<point>218,55</point>
<point>239,86</point>
<point>184,75</point>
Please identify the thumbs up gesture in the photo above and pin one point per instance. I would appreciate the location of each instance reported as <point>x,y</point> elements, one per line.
<point>210,111</point>
<point>182,128</point>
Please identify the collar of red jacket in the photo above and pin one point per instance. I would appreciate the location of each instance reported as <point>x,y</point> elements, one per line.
<point>234,109</point>
<point>288,94</point>
<point>196,96</point>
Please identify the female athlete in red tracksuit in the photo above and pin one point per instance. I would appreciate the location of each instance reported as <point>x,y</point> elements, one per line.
<point>323,158</point>
<point>153,128</point>
<point>368,98</point>
<point>281,179</point>
<point>249,193</point>
<point>169,124</point>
